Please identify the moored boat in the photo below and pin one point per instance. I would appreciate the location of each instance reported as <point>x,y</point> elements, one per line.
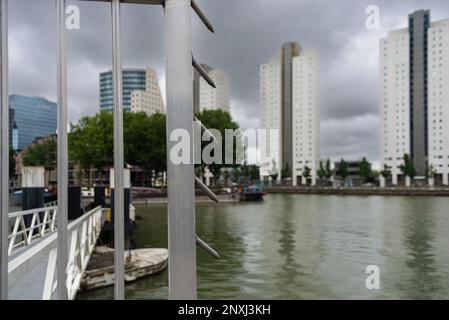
<point>251,193</point>
<point>139,263</point>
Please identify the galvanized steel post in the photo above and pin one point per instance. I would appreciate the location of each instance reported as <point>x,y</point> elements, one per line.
<point>4,153</point>
<point>119,217</point>
<point>181,178</point>
<point>63,174</point>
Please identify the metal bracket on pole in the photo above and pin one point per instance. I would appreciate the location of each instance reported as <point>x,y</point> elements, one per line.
<point>63,175</point>
<point>206,189</point>
<point>4,152</point>
<point>202,16</point>
<point>206,247</point>
<point>204,129</point>
<point>203,72</point>
<point>119,192</point>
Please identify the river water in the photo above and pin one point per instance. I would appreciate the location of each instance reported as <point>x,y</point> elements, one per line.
<point>310,247</point>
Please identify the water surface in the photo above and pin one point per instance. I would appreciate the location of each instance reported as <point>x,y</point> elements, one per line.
<point>310,247</point>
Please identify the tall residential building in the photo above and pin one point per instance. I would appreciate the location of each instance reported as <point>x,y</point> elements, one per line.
<point>149,101</point>
<point>414,75</point>
<point>140,87</point>
<point>32,117</point>
<point>206,97</point>
<point>290,103</point>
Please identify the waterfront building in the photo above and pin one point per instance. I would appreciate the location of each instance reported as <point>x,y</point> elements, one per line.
<point>290,103</point>
<point>141,91</point>
<point>414,97</point>
<point>206,97</point>
<point>31,117</point>
<point>150,100</point>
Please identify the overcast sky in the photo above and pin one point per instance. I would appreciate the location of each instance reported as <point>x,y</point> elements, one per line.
<point>248,33</point>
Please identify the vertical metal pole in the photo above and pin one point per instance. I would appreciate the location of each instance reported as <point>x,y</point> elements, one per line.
<point>181,179</point>
<point>119,193</point>
<point>4,156</point>
<point>62,293</point>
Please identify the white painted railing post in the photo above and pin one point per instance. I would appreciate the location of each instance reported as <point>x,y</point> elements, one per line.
<point>119,208</point>
<point>181,179</point>
<point>4,149</point>
<point>62,152</point>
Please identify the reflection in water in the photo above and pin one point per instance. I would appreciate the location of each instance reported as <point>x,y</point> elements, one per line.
<point>424,282</point>
<point>287,251</point>
<point>306,246</point>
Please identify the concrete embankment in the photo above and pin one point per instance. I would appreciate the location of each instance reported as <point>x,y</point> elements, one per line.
<point>371,191</point>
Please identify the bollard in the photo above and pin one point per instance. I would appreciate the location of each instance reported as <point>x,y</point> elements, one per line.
<point>75,209</point>
<point>33,189</point>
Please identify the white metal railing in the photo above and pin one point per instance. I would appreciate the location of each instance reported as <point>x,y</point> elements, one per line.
<point>42,221</point>
<point>51,204</point>
<point>83,234</point>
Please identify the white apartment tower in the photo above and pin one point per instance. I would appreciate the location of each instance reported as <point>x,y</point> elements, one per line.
<point>290,104</point>
<point>270,118</point>
<point>306,115</point>
<point>149,101</point>
<point>414,98</point>
<point>209,98</point>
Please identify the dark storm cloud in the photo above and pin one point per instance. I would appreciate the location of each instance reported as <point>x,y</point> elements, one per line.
<point>249,33</point>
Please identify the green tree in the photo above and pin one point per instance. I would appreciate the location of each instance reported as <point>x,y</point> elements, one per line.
<point>285,172</point>
<point>365,169</point>
<point>41,154</point>
<point>306,172</point>
<point>407,168</point>
<point>386,172</point>
<point>328,170</point>
<point>221,121</point>
<point>91,141</point>
<point>342,169</point>
<point>321,172</point>
<point>254,172</point>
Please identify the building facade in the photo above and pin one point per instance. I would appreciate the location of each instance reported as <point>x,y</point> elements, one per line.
<point>414,98</point>
<point>150,100</point>
<point>290,105</point>
<point>133,80</point>
<point>306,117</point>
<point>270,119</point>
<point>33,117</point>
<point>206,97</point>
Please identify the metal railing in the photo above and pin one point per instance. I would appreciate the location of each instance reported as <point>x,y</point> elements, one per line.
<point>181,179</point>
<point>83,234</point>
<point>42,222</point>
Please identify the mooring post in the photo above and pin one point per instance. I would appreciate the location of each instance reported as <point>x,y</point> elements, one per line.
<point>181,178</point>
<point>4,152</point>
<point>63,175</point>
<point>119,208</point>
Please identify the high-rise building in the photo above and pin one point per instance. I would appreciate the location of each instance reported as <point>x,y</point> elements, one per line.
<point>141,91</point>
<point>32,117</point>
<point>414,110</point>
<point>133,79</point>
<point>206,97</point>
<point>150,100</point>
<point>290,105</point>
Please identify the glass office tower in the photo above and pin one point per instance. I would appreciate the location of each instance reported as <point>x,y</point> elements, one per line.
<point>32,117</point>
<point>133,79</point>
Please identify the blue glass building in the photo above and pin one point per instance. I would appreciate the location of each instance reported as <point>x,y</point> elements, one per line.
<point>32,117</point>
<point>133,79</point>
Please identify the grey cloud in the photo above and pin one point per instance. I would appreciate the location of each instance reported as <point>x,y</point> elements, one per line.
<point>249,33</point>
